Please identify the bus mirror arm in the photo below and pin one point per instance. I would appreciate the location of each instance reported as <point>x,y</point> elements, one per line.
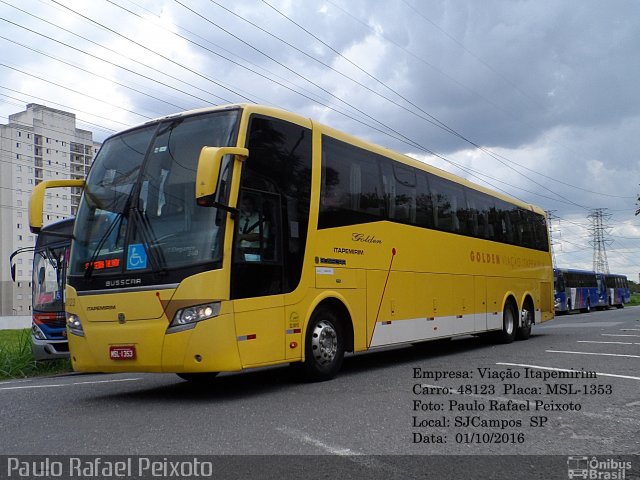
<point>36,202</point>
<point>13,255</point>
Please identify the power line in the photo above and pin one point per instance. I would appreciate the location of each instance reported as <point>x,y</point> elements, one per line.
<point>72,90</point>
<point>156,70</point>
<point>506,162</point>
<point>461,45</point>
<point>119,54</point>
<point>410,142</point>
<point>68,109</point>
<point>115,82</point>
<point>164,57</point>
<point>416,144</point>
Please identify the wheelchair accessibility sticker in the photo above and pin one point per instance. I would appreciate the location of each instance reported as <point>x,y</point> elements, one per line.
<point>136,257</point>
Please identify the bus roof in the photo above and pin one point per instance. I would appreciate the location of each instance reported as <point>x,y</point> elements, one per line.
<point>573,270</point>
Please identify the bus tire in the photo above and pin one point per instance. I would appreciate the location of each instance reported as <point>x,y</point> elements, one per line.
<point>509,323</point>
<point>324,346</point>
<point>198,378</point>
<point>523,332</point>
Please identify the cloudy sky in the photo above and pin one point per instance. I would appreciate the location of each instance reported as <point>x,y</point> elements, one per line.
<point>539,99</point>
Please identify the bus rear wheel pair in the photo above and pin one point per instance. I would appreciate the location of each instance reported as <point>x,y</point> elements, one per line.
<point>513,329</point>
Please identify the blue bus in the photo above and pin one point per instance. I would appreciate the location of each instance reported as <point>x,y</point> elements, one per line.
<point>618,292</point>
<point>578,290</point>
<point>583,290</point>
<point>50,260</point>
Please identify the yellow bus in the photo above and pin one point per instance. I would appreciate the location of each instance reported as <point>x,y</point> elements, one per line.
<point>244,236</point>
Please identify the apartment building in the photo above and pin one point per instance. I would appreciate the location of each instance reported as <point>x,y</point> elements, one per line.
<point>40,143</point>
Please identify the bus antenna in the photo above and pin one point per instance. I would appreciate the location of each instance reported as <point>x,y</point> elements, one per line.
<point>393,254</point>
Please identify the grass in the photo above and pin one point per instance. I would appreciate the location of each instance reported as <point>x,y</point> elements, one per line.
<point>16,359</point>
<point>635,299</point>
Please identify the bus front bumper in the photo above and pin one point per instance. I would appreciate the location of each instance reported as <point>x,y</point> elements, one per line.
<point>49,349</point>
<point>211,346</point>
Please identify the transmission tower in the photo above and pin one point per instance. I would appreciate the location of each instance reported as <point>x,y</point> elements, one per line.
<point>551,218</point>
<point>599,230</point>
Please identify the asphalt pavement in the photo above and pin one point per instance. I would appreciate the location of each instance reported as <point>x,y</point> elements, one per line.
<point>570,392</point>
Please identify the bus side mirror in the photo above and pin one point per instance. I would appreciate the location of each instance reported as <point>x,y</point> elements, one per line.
<point>41,275</point>
<point>209,164</point>
<point>36,202</point>
<point>13,272</point>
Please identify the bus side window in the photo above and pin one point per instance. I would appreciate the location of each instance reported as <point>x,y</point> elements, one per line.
<point>502,223</point>
<point>472,226</point>
<point>389,189</point>
<point>355,186</point>
<point>405,194</point>
<point>424,206</point>
<point>352,174</point>
<point>516,226</point>
<point>448,198</point>
<point>484,205</point>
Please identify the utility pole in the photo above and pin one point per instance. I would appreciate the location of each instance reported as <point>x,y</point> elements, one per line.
<point>599,229</point>
<point>551,218</point>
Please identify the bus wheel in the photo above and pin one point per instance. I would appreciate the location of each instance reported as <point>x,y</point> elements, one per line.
<point>509,324</point>
<point>324,346</point>
<point>198,378</point>
<point>526,321</point>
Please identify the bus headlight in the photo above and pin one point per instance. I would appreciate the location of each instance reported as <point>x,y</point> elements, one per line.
<point>74,325</point>
<point>186,318</point>
<point>37,333</point>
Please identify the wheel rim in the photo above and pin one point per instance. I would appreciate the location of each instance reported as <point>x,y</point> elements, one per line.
<point>508,323</point>
<point>526,318</point>
<point>324,343</point>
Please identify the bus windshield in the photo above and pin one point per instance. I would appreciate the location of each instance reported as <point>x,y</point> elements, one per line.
<point>139,212</point>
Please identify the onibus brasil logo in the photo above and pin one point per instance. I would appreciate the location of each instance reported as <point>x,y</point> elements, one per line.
<point>594,468</point>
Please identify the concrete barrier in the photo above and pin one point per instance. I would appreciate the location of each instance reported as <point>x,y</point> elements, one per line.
<point>15,322</point>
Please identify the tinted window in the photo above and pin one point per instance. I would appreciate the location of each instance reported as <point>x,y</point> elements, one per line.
<point>359,186</point>
<point>404,197</point>
<point>276,179</point>
<point>424,203</point>
<point>351,189</point>
<point>448,202</point>
<point>480,206</point>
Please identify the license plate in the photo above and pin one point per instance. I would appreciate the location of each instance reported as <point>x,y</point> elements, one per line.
<point>122,352</point>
